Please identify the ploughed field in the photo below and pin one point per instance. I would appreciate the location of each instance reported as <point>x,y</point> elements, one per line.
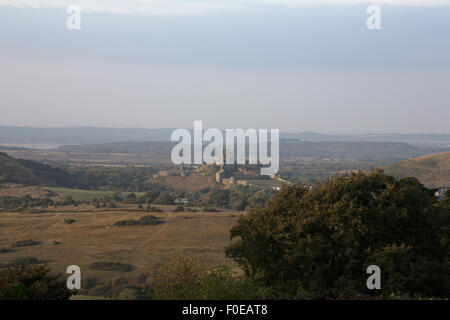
<point>87,237</point>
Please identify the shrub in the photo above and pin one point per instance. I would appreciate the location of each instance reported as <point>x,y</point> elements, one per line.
<point>164,198</point>
<point>32,283</point>
<point>144,221</point>
<point>131,198</point>
<point>178,209</point>
<point>25,243</point>
<point>24,261</point>
<point>190,279</point>
<point>101,290</point>
<point>111,266</point>
<point>149,221</point>
<point>117,288</point>
<point>153,209</point>
<point>123,223</point>
<point>67,201</point>
<point>89,283</point>
<point>149,196</point>
<point>128,294</point>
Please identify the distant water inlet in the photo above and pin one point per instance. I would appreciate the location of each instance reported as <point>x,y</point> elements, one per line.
<point>40,146</point>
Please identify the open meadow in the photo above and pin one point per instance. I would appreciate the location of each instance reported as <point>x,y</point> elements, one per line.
<point>87,237</point>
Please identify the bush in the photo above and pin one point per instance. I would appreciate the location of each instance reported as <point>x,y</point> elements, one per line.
<point>89,283</point>
<point>32,283</point>
<point>149,221</point>
<point>24,261</point>
<point>26,201</point>
<point>111,266</point>
<point>149,196</point>
<point>178,209</point>
<point>101,290</point>
<point>124,223</point>
<point>153,209</point>
<point>131,198</point>
<point>144,221</point>
<point>319,243</point>
<point>190,279</point>
<point>128,294</point>
<point>67,201</point>
<point>26,243</point>
<point>164,198</point>
<point>116,288</point>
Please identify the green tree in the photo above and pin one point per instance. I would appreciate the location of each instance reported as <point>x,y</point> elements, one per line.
<point>32,282</point>
<point>149,196</point>
<point>67,200</point>
<point>131,198</point>
<point>319,243</point>
<point>164,198</point>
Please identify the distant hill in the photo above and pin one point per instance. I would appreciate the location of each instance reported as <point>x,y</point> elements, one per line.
<point>32,173</point>
<point>358,150</point>
<point>8,148</point>
<point>413,138</point>
<point>79,135</point>
<point>96,135</point>
<point>153,147</point>
<point>432,170</point>
<point>383,151</point>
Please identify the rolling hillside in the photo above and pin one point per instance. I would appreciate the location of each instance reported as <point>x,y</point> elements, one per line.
<point>31,173</point>
<point>432,170</point>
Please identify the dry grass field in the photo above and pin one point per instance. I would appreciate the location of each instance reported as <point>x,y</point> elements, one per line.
<point>93,238</point>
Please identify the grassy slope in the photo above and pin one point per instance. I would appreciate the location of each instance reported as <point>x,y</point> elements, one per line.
<point>12,170</point>
<point>31,173</point>
<point>432,170</point>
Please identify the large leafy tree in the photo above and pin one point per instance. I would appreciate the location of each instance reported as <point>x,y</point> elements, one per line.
<point>32,282</point>
<point>319,242</point>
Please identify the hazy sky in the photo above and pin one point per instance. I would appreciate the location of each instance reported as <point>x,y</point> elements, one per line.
<point>293,65</point>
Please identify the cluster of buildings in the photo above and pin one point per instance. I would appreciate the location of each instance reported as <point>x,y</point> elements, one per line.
<point>224,177</point>
<point>440,193</point>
